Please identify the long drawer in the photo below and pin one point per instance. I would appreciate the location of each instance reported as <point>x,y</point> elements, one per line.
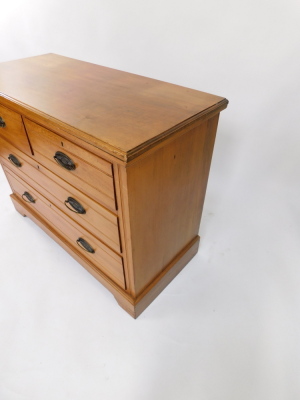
<point>86,171</point>
<point>96,219</point>
<point>12,129</point>
<point>100,255</point>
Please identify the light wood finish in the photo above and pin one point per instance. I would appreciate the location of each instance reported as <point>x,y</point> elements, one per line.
<point>97,183</point>
<point>140,303</point>
<point>134,307</point>
<point>75,252</point>
<point>164,202</point>
<point>113,109</point>
<point>14,130</point>
<point>142,150</point>
<point>100,222</point>
<point>58,172</point>
<point>52,142</point>
<point>6,149</point>
<point>105,259</point>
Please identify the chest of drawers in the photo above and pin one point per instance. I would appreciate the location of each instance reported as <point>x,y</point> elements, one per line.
<point>113,166</point>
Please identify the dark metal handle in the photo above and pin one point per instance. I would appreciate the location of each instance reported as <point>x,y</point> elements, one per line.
<point>2,123</point>
<point>76,206</point>
<point>84,245</point>
<point>64,161</point>
<point>13,159</point>
<point>28,196</point>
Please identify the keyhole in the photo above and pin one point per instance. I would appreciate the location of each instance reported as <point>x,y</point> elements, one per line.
<point>62,144</point>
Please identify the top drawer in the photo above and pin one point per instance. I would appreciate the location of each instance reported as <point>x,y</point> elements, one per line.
<point>12,129</point>
<point>82,169</point>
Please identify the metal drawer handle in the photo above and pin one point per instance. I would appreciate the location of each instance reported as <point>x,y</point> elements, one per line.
<point>13,159</point>
<point>76,206</point>
<point>2,123</point>
<point>28,196</point>
<point>84,245</point>
<point>64,161</point>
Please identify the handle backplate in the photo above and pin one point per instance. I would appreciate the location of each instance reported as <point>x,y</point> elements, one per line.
<point>27,197</point>
<point>75,206</point>
<point>85,245</point>
<point>13,159</point>
<point>64,161</point>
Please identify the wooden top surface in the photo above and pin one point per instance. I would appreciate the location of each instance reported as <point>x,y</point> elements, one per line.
<point>113,109</point>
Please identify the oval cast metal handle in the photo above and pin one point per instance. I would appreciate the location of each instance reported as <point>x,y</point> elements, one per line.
<point>13,159</point>
<point>28,196</point>
<point>85,245</point>
<point>64,161</point>
<point>76,206</point>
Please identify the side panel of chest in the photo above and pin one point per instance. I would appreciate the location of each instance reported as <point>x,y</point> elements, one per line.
<point>166,191</point>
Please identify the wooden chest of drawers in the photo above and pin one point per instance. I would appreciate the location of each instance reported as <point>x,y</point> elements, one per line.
<point>113,166</point>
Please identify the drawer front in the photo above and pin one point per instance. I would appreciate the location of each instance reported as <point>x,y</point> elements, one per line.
<point>12,156</point>
<point>100,255</point>
<point>96,219</point>
<point>12,129</point>
<point>88,172</point>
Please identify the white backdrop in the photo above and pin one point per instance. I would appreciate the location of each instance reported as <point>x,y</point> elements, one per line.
<point>228,326</point>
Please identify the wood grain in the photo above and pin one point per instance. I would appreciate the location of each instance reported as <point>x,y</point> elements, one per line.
<point>75,252</point>
<point>165,194</point>
<point>115,109</point>
<point>134,307</point>
<point>95,182</point>
<point>32,168</point>
<point>142,150</point>
<point>164,278</point>
<point>103,258</point>
<point>54,141</point>
<point>100,222</point>
<point>14,130</point>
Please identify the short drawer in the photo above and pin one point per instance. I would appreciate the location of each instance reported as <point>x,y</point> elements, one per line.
<point>10,154</point>
<point>88,172</point>
<point>90,247</point>
<point>12,129</point>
